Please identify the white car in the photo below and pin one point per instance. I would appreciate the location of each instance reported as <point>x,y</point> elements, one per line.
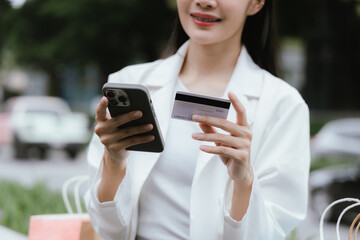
<point>338,137</point>
<point>42,122</point>
<point>341,139</point>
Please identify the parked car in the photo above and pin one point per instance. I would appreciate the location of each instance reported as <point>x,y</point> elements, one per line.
<point>5,131</point>
<point>337,137</point>
<point>340,139</point>
<point>42,123</point>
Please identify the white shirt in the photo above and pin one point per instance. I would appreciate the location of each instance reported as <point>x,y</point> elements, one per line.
<point>280,158</point>
<point>164,203</point>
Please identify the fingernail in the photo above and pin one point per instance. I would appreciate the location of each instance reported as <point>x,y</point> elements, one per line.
<point>196,135</point>
<point>204,147</point>
<point>137,114</point>
<point>150,138</point>
<point>196,117</point>
<point>148,127</point>
<point>103,100</point>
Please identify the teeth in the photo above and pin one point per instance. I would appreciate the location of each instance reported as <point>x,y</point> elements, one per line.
<point>206,19</point>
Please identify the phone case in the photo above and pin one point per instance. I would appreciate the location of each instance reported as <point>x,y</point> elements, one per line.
<point>130,97</point>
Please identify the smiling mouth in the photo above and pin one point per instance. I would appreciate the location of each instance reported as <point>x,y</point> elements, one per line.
<point>206,19</point>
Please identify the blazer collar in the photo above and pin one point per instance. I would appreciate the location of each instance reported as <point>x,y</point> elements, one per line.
<point>168,71</point>
<point>246,82</point>
<point>245,78</point>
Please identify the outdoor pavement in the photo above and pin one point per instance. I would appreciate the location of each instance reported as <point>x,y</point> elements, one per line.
<point>54,170</point>
<point>8,234</point>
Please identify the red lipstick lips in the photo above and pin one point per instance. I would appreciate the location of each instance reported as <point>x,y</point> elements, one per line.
<point>204,20</point>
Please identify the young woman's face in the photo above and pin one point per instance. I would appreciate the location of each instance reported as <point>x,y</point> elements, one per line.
<point>214,21</point>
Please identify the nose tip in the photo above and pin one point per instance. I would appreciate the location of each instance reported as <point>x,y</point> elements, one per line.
<point>206,3</point>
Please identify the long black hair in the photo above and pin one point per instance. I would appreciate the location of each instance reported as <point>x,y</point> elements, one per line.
<point>259,35</point>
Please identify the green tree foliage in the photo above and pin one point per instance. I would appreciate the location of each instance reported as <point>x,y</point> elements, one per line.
<point>5,10</point>
<point>19,203</point>
<point>51,34</point>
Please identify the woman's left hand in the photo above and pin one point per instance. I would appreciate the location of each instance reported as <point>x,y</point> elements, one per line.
<point>233,148</point>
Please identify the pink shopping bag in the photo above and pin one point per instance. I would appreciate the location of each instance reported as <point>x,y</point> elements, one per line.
<point>61,227</point>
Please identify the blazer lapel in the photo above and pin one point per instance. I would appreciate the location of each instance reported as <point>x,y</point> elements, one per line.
<point>161,85</point>
<point>246,82</point>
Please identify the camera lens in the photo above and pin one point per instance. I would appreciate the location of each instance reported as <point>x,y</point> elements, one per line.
<point>113,102</point>
<point>110,94</point>
<point>122,99</point>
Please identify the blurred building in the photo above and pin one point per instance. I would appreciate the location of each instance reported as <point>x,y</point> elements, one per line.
<point>77,86</point>
<point>80,86</point>
<point>15,82</point>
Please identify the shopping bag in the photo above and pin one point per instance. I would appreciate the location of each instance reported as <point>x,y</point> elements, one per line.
<point>61,227</point>
<point>87,232</point>
<point>74,225</point>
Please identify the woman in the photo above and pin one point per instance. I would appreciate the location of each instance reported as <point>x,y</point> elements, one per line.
<point>240,178</point>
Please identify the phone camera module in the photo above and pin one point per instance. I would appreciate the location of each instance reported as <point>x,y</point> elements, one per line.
<point>122,99</point>
<point>110,94</point>
<point>113,102</point>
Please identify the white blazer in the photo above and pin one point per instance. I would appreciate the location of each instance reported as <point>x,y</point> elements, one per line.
<point>279,120</point>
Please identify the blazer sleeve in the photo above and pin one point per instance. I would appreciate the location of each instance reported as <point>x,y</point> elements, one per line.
<point>110,219</point>
<point>279,195</point>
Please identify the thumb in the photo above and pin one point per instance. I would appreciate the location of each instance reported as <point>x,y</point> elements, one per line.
<point>101,114</point>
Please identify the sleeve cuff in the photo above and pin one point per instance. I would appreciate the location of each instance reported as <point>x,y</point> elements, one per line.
<point>227,205</point>
<point>121,205</point>
<point>96,197</point>
<point>123,193</point>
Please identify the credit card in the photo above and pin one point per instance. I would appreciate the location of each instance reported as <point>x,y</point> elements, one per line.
<point>188,104</point>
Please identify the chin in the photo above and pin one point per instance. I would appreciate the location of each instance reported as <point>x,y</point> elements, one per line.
<point>204,39</point>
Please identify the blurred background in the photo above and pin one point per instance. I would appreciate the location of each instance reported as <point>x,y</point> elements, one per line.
<point>56,55</point>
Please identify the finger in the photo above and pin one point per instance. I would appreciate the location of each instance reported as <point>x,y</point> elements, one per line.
<point>131,131</point>
<point>224,140</point>
<point>107,127</point>
<point>128,142</point>
<point>224,124</point>
<point>206,128</point>
<point>235,154</point>
<point>112,136</point>
<point>239,108</point>
<point>125,118</point>
<point>101,114</point>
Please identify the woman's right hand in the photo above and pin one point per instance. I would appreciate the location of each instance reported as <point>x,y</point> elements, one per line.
<point>117,140</point>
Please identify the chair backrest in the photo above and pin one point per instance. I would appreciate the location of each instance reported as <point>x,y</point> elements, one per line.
<point>77,181</point>
<point>357,203</point>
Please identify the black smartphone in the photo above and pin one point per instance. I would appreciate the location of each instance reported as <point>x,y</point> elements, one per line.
<point>124,98</point>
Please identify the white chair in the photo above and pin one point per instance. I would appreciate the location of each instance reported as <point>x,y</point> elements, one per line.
<point>77,181</point>
<point>357,203</point>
